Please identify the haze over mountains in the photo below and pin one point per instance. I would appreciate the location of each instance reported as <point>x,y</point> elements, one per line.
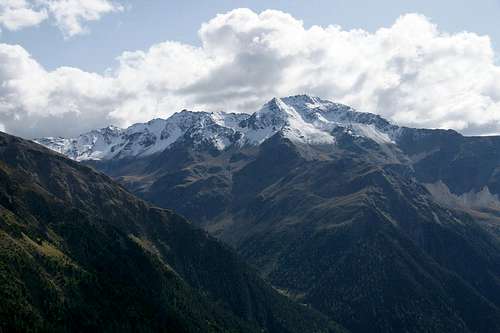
<point>379,227</point>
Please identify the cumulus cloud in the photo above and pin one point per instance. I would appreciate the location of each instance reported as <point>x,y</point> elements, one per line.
<point>411,73</point>
<point>68,15</point>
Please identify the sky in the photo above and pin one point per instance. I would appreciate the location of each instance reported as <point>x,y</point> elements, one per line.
<point>68,66</point>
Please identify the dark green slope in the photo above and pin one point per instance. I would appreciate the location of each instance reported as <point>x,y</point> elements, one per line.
<point>370,238</point>
<point>345,228</point>
<point>79,253</point>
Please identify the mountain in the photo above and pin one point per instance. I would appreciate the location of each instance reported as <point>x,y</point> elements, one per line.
<point>300,118</point>
<point>461,172</point>
<point>80,253</point>
<point>380,227</point>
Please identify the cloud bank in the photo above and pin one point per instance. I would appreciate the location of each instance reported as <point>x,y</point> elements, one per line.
<point>411,73</point>
<point>68,15</point>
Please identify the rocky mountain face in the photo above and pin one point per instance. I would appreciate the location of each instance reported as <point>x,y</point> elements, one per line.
<point>382,228</point>
<point>79,253</point>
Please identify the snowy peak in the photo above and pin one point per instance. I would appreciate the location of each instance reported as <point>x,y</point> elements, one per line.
<point>292,107</point>
<point>300,118</point>
<point>311,120</point>
<point>142,139</point>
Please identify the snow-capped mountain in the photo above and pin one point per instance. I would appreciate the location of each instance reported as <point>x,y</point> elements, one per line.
<point>300,118</point>
<point>309,119</point>
<point>332,205</point>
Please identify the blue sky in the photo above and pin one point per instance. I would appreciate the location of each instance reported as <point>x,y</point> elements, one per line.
<point>70,66</point>
<point>147,22</point>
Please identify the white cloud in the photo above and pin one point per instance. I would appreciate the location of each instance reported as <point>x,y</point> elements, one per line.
<point>68,15</point>
<point>410,72</point>
<point>18,14</point>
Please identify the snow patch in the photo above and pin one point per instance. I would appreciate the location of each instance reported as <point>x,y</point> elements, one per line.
<point>371,132</point>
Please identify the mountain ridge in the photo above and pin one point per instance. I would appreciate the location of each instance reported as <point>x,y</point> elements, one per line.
<point>301,118</point>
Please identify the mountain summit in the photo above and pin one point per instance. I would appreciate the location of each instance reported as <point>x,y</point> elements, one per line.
<point>300,118</point>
